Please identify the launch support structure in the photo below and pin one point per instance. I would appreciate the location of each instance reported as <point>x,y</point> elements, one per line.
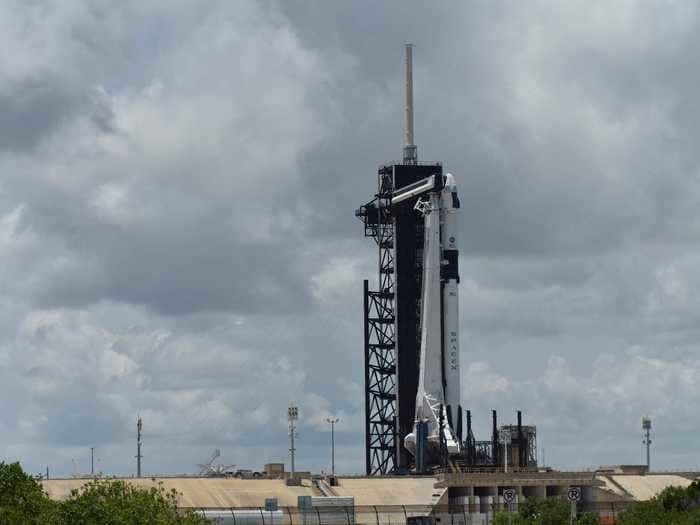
<point>411,327</point>
<point>395,312</point>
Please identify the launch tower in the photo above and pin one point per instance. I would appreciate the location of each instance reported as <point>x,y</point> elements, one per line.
<point>392,313</point>
<point>411,328</point>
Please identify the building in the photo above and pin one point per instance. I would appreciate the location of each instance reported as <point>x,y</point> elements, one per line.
<point>462,497</point>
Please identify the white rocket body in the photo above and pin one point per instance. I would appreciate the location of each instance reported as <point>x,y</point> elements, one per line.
<point>449,216</point>
<point>438,401</point>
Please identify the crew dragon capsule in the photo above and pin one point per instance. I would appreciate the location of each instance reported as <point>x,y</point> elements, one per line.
<point>438,401</point>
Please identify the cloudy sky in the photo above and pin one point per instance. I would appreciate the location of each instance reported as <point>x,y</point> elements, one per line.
<point>177,191</point>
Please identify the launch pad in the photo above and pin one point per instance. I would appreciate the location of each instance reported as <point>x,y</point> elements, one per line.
<point>414,311</point>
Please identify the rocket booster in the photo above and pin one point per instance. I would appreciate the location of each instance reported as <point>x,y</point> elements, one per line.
<point>438,401</point>
<point>449,273</point>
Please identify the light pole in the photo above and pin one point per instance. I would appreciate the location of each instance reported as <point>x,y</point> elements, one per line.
<point>292,416</point>
<point>92,461</point>
<point>332,421</point>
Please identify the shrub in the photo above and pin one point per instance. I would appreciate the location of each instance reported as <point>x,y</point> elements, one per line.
<point>22,499</point>
<point>99,502</point>
<point>116,502</point>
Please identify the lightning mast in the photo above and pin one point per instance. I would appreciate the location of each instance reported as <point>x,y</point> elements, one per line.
<point>410,150</point>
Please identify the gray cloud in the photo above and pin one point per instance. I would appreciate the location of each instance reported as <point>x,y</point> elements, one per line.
<point>29,112</point>
<point>177,230</point>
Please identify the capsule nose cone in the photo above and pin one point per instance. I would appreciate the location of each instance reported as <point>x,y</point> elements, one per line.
<point>450,182</point>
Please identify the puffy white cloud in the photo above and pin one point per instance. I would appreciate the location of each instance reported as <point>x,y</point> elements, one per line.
<point>178,241</point>
<point>597,410</point>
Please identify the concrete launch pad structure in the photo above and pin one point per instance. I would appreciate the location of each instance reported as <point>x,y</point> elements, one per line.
<point>457,499</point>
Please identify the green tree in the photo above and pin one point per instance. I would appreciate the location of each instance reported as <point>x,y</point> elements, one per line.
<point>22,499</point>
<point>508,518</point>
<point>548,511</point>
<point>588,518</point>
<point>681,499</point>
<point>116,502</point>
<point>100,502</point>
<point>673,506</point>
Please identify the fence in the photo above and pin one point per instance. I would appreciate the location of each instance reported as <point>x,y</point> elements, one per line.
<point>481,513</point>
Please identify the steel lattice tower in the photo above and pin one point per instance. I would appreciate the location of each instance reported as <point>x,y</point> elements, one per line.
<point>392,312</point>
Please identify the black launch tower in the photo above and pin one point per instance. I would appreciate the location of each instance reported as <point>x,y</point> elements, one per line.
<point>392,312</point>
<point>392,332</point>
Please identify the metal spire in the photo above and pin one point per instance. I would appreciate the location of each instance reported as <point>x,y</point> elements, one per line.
<point>410,151</point>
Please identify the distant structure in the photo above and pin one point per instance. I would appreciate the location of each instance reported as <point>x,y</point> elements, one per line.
<point>392,312</point>
<point>332,421</point>
<point>210,470</point>
<point>292,417</point>
<point>139,426</point>
<point>646,428</point>
<point>413,413</point>
<point>206,467</point>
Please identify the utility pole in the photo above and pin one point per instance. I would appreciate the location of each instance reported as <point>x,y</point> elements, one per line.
<point>292,416</point>
<point>332,421</point>
<point>92,461</point>
<point>646,427</point>
<point>139,425</point>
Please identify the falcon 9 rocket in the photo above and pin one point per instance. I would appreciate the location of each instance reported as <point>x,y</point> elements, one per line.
<point>438,403</point>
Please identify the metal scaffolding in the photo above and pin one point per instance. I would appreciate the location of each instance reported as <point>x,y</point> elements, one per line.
<point>380,337</point>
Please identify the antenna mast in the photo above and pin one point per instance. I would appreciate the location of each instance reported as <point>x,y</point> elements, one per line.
<point>292,416</point>
<point>139,425</point>
<point>646,427</point>
<point>410,151</point>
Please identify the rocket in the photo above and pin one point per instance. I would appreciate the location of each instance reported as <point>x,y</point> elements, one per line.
<point>438,401</point>
<point>449,273</point>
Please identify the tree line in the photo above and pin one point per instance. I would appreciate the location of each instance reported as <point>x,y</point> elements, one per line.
<point>23,501</point>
